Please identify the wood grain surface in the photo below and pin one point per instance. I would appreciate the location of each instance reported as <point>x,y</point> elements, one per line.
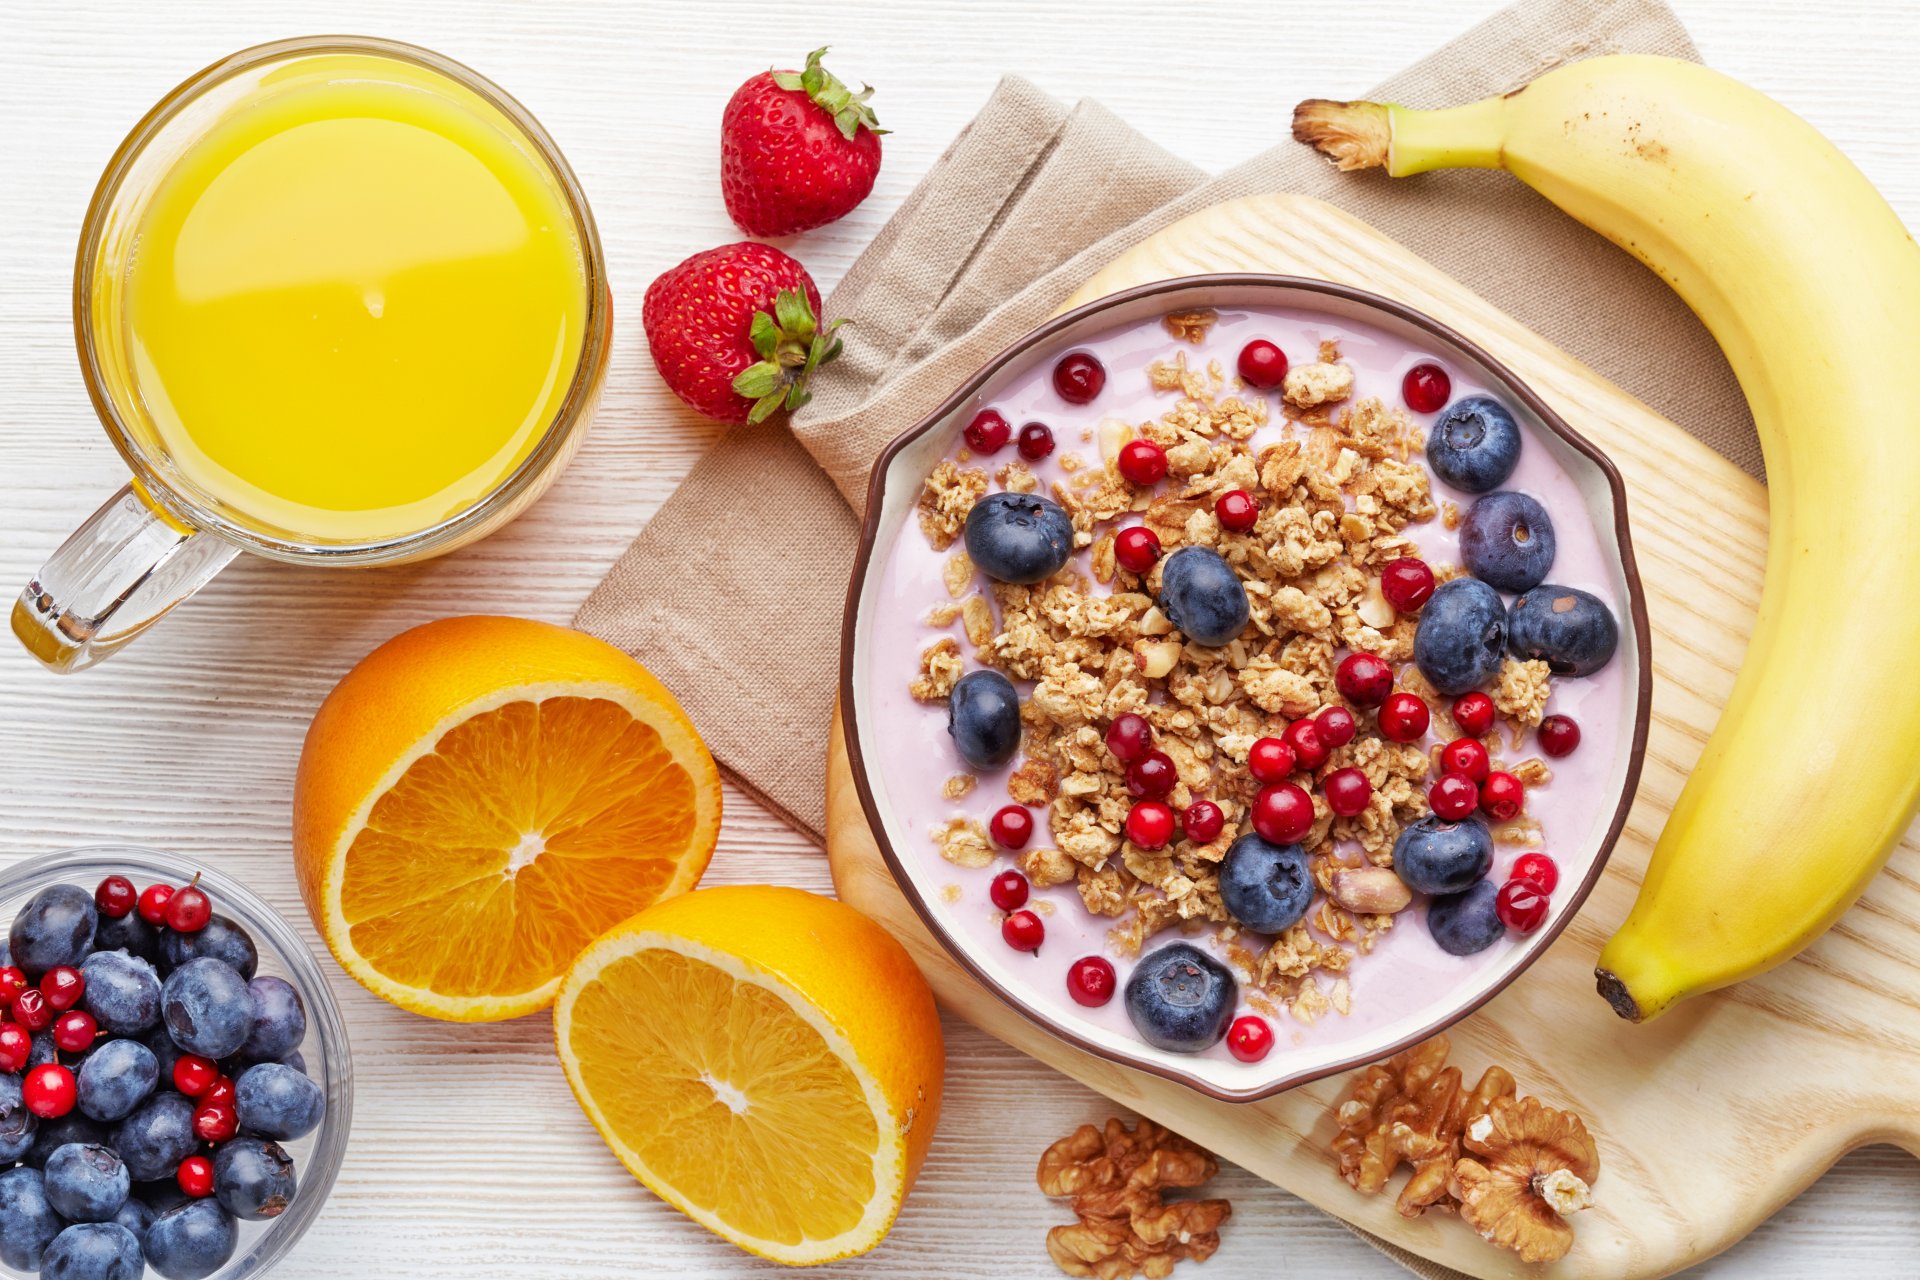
<point>469,1157</point>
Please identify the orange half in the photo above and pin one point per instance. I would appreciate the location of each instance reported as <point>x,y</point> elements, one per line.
<point>482,797</point>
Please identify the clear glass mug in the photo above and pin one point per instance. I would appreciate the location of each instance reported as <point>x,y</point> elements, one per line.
<point>161,538</point>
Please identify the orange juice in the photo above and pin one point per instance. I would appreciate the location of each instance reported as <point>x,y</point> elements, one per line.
<point>356,302</point>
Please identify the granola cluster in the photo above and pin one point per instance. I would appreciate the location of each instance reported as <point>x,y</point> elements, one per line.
<point>1514,1168</point>
<point>1338,494</point>
<point>1117,1179</point>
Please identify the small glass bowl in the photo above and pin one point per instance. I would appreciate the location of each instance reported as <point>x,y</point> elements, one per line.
<point>317,1156</point>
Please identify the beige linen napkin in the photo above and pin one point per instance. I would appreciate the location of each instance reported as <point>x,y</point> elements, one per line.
<point>732,593</point>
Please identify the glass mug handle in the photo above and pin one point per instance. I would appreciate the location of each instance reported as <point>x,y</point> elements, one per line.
<point>117,575</point>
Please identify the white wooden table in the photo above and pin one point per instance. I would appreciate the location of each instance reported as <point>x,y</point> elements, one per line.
<point>469,1157</point>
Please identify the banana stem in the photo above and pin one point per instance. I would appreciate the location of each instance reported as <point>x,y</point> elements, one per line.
<point>1374,135</point>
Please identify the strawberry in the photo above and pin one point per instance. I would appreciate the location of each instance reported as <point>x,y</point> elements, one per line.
<point>733,331</point>
<point>798,149</point>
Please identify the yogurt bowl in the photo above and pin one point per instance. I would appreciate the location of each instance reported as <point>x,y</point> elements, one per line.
<point>1396,985</point>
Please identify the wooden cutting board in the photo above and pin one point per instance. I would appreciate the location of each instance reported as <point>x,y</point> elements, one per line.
<point>1711,1117</point>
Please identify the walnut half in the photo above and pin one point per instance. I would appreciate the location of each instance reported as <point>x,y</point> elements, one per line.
<point>1531,1166</point>
<point>1116,1178</point>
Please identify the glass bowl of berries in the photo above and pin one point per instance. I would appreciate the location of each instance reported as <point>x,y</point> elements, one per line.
<point>175,1085</point>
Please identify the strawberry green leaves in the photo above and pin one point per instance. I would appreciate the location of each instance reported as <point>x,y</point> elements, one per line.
<point>791,345</point>
<point>849,110</point>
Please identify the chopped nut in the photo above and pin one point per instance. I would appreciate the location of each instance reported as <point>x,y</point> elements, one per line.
<point>963,842</point>
<point>959,786</point>
<point>1114,434</point>
<point>1190,326</point>
<point>1372,890</point>
<point>1117,1180</point>
<point>1156,657</point>
<point>958,574</point>
<point>977,615</point>
<point>1530,1167</point>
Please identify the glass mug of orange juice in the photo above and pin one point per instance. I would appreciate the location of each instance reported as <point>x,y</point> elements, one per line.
<point>338,300</point>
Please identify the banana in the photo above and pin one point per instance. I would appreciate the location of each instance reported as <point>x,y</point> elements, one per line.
<point>1811,285</point>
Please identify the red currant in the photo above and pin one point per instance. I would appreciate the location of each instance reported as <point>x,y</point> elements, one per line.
<point>1407,584</point>
<point>1008,891</point>
<point>75,1031</point>
<point>12,982</point>
<point>1336,726</point>
<point>189,909</point>
<point>1143,462</point>
<point>1270,760</point>
<point>1249,1038</point>
<point>214,1123</point>
<point>1426,388</point>
<point>1520,905</point>
<point>31,1010</point>
<point>1263,365</point>
<point>1203,822</point>
<point>1309,749</point>
<point>1559,735</point>
<point>1011,827</point>
<point>16,1046</point>
<point>1502,796</point>
<point>1036,441</point>
<point>49,1091</point>
<point>1363,679</point>
<point>1454,797</point>
<point>1136,548</point>
<point>988,431</point>
<point>1152,775</point>
<point>195,1176</point>
<point>153,903</point>
<point>1282,813</point>
<point>1129,737</point>
<point>1091,981</point>
<point>194,1075</point>
<point>1348,791</point>
<point>1023,931</point>
<point>1473,712</point>
<point>1465,755</point>
<point>63,986</point>
<point>1078,377</point>
<point>1538,868</point>
<point>115,897</point>
<point>222,1091</point>
<point>1237,510</point>
<point>1404,717</point>
<point>1150,824</point>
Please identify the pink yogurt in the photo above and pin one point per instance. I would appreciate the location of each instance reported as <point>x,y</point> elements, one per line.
<point>1406,975</point>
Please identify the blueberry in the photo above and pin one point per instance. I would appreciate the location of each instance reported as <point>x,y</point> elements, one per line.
<point>1573,631</point>
<point>55,1134</point>
<point>44,1050</point>
<point>86,1182</point>
<point>165,1052</point>
<point>159,1196</point>
<point>275,1101</point>
<point>128,933</point>
<point>1475,444</point>
<point>279,1020</point>
<point>1019,537</point>
<point>190,1241</point>
<point>1507,541</point>
<point>207,1008</point>
<point>17,1124</point>
<point>123,992</point>
<point>1462,640</point>
<point>1267,887</point>
<point>28,1223</point>
<point>1466,922</point>
<point>156,1137</point>
<point>222,939</point>
<point>1436,856</point>
<point>136,1215</point>
<point>115,1078</point>
<point>983,717</point>
<point>1180,999</point>
<point>94,1251</point>
<point>1201,594</point>
<point>54,928</point>
<point>296,1060</point>
<point>253,1179</point>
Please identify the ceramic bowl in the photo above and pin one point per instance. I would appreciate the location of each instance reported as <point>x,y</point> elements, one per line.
<point>927,881</point>
<point>317,1156</point>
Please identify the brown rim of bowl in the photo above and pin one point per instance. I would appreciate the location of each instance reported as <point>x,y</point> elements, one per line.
<point>869,534</point>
